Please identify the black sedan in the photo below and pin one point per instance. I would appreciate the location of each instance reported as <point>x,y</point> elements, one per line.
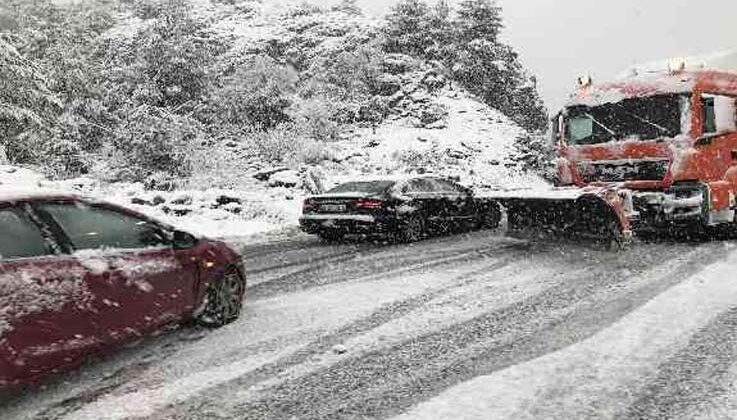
<point>407,208</point>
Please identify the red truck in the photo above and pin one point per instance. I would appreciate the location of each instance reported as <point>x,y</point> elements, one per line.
<point>655,150</point>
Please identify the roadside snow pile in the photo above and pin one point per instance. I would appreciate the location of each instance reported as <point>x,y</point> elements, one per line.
<point>247,210</point>
<point>16,176</point>
<point>214,212</point>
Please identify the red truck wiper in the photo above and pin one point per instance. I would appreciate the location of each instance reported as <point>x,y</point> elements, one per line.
<point>643,120</point>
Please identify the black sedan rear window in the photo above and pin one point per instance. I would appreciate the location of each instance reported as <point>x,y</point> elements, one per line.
<point>362,187</point>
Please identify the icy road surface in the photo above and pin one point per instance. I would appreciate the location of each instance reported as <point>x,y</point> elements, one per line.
<point>474,326</point>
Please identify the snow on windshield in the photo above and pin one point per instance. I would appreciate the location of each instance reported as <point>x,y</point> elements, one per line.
<point>632,119</point>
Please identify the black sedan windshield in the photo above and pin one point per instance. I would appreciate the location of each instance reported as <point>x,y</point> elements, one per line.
<point>650,118</point>
<point>370,187</point>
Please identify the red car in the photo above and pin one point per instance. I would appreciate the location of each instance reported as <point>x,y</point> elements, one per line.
<point>79,276</point>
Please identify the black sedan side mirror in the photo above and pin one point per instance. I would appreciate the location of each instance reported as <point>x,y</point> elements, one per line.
<point>183,240</point>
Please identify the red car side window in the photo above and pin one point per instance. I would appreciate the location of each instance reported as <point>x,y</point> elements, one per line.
<point>20,238</point>
<point>89,227</point>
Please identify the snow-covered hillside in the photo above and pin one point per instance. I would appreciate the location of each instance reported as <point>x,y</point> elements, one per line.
<point>432,126</point>
<point>472,143</point>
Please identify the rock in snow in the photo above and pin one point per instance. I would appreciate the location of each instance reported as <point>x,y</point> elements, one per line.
<point>288,179</point>
<point>265,175</point>
<point>340,349</point>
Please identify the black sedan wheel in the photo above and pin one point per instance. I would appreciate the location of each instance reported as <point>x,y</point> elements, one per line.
<point>331,235</point>
<point>488,221</point>
<point>489,218</point>
<point>411,230</point>
<point>224,300</point>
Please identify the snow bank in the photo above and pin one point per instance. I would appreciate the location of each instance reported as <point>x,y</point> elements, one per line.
<point>21,177</point>
<point>241,211</point>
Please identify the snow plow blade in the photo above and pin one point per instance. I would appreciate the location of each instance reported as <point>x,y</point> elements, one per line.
<point>598,214</point>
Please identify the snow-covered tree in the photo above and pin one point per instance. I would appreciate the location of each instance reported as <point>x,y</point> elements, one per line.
<point>150,141</point>
<point>350,82</point>
<point>166,63</point>
<point>491,69</point>
<point>405,28</point>
<point>27,106</point>
<point>441,32</point>
<point>64,42</point>
<point>478,19</point>
<point>535,153</point>
<point>81,83</point>
<point>257,94</point>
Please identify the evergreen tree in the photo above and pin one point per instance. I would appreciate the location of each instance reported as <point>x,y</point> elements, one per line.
<point>478,20</point>
<point>535,153</point>
<point>406,28</point>
<point>528,108</point>
<point>492,70</point>
<point>440,31</point>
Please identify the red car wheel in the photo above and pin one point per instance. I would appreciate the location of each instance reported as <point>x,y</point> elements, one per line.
<point>223,301</point>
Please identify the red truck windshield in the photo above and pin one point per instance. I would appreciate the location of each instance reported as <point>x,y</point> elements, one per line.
<point>650,118</point>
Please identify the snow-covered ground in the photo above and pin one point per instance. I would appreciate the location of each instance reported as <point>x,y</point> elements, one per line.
<point>603,375</point>
<point>469,326</point>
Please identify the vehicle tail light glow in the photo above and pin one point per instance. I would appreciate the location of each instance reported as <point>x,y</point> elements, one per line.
<point>308,205</point>
<point>369,204</point>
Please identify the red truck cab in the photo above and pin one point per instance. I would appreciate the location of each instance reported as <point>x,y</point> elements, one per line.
<point>665,135</point>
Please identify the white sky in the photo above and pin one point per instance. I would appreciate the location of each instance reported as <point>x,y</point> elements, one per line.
<point>560,40</point>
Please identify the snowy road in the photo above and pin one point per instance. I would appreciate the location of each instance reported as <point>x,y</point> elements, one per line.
<point>469,326</point>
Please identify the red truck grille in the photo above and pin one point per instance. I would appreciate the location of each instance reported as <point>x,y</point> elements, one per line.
<point>650,170</point>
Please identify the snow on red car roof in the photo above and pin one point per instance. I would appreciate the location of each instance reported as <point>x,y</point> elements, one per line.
<point>28,192</point>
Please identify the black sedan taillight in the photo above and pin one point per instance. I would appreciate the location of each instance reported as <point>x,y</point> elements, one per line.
<point>370,204</point>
